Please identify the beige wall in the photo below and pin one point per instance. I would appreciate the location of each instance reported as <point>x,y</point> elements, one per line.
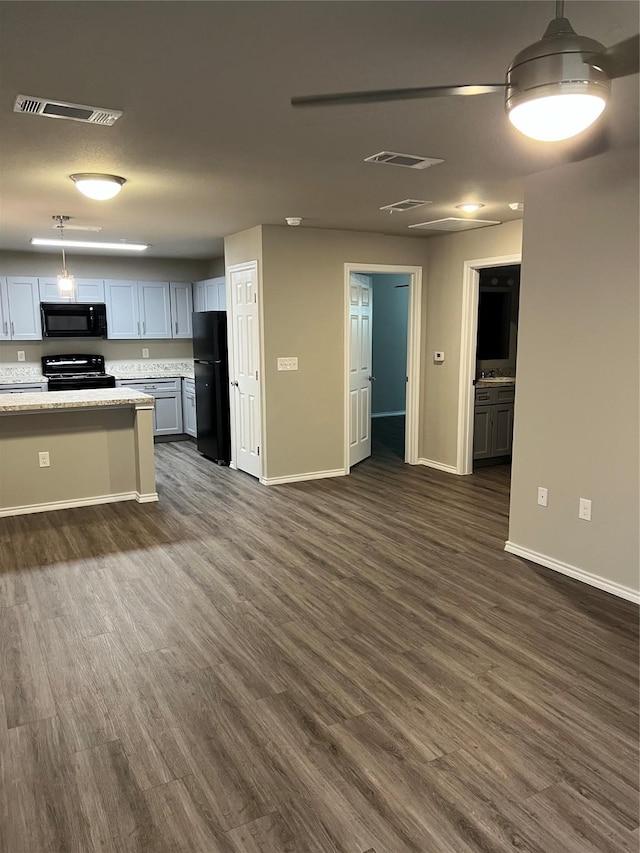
<point>215,268</point>
<point>576,411</point>
<point>443,319</point>
<point>111,350</point>
<point>89,266</point>
<point>304,316</point>
<point>92,453</point>
<point>243,246</point>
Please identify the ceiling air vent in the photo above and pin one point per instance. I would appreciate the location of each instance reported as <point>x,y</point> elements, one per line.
<point>411,161</point>
<point>61,109</point>
<point>407,204</point>
<point>454,224</point>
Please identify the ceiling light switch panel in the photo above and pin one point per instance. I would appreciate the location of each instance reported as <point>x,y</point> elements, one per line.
<point>290,363</point>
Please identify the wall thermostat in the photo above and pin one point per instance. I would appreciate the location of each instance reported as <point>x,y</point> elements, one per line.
<point>438,356</point>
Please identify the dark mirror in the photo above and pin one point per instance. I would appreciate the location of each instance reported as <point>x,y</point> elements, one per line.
<point>494,324</point>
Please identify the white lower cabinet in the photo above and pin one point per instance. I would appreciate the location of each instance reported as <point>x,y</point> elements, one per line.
<point>189,422</point>
<point>167,413</point>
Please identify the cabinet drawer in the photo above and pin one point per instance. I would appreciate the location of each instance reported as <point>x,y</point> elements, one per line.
<point>505,395</point>
<point>23,389</point>
<point>150,386</point>
<point>485,396</point>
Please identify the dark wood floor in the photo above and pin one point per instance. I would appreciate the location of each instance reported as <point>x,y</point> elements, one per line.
<point>342,665</point>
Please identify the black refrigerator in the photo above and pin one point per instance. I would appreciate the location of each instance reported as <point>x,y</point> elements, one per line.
<point>211,368</point>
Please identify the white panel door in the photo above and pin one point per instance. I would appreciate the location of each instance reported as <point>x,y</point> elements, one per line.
<point>5,329</point>
<point>123,322</point>
<point>181,310</point>
<point>360,378</point>
<point>154,304</point>
<point>23,298</point>
<point>245,393</point>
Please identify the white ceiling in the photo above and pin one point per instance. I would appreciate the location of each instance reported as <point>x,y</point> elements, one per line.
<point>210,145</point>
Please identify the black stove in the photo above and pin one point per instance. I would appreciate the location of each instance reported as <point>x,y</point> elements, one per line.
<point>76,372</point>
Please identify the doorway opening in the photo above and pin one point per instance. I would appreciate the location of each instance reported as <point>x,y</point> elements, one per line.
<point>382,346</point>
<point>488,362</point>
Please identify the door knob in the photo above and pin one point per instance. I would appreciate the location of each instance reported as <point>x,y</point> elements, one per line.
<point>235,383</point>
<point>372,379</point>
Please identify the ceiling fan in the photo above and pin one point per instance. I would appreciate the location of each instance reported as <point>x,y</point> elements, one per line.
<point>554,89</point>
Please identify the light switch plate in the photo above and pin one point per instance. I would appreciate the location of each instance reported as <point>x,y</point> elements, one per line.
<point>289,363</point>
<point>438,356</point>
<point>145,352</point>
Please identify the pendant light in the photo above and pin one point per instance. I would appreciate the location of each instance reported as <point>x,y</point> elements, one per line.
<point>66,282</point>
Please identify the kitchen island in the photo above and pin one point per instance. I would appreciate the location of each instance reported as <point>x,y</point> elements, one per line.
<point>75,448</point>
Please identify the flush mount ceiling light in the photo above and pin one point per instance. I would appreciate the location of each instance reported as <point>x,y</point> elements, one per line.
<point>293,220</point>
<point>554,88</point>
<point>469,207</point>
<point>98,187</point>
<point>65,280</point>
<point>90,244</point>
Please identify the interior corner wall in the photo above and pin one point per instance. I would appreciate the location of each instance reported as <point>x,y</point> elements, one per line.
<point>577,392</point>
<point>304,316</point>
<point>243,247</point>
<point>442,325</point>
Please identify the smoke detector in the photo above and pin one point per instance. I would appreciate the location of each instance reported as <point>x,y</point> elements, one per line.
<point>517,205</point>
<point>293,220</point>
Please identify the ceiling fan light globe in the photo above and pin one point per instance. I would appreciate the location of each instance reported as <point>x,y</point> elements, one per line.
<point>552,118</point>
<point>98,187</point>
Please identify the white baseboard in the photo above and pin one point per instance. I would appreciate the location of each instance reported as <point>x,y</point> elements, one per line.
<point>298,478</point>
<point>27,509</point>
<point>625,592</point>
<point>440,466</point>
<point>387,414</point>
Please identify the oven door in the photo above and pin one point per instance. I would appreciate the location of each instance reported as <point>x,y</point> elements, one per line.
<point>69,320</point>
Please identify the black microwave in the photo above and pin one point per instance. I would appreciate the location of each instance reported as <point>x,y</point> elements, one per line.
<point>73,320</point>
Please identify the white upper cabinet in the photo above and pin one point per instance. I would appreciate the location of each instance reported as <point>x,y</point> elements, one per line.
<point>4,311</point>
<point>210,294</point>
<point>123,321</point>
<point>23,308</point>
<point>86,290</point>
<point>154,304</point>
<point>181,309</point>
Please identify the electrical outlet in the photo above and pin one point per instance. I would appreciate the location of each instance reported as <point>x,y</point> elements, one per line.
<point>145,352</point>
<point>438,356</point>
<point>20,355</point>
<point>585,509</point>
<point>43,459</point>
<point>543,496</point>
<point>290,363</point>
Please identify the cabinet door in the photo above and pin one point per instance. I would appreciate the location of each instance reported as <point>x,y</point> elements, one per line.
<point>5,332</point>
<point>122,309</point>
<point>48,288</point>
<point>211,295</point>
<point>198,296</point>
<point>24,309</point>
<point>89,290</point>
<point>189,413</point>
<point>155,309</point>
<point>502,429</point>
<point>482,421</point>
<point>181,309</point>
<point>222,295</point>
<point>167,415</point>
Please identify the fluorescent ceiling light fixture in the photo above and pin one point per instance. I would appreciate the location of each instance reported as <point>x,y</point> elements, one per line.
<point>90,244</point>
<point>98,187</point>
<point>469,208</point>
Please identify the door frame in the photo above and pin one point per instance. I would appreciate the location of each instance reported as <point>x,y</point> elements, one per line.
<point>414,330</point>
<point>468,345</point>
<point>246,265</point>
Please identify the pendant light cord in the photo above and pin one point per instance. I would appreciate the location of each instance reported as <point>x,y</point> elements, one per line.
<point>559,8</point>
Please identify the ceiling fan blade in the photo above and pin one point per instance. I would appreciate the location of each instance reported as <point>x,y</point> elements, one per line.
<point>380,95</point>
<point>621,59</point>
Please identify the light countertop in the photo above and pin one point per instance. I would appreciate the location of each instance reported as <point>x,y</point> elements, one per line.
<point>93,398</point>
<point>9,376</point>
